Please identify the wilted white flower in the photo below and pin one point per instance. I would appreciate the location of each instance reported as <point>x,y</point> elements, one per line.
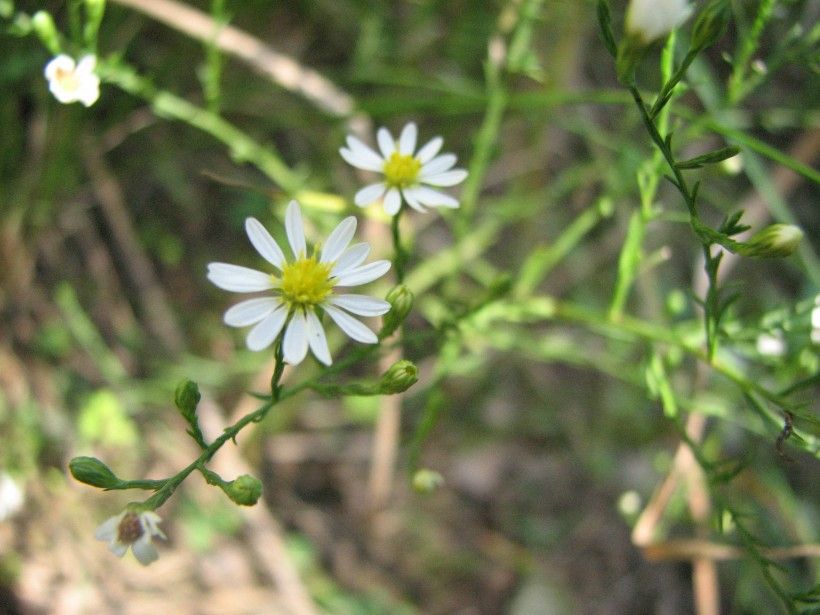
<point>300,286</point>
<point>134,529</point>
<point>11,496</point>
<point>649,20</point>
<point>407,174</point>
<point>72,82</point>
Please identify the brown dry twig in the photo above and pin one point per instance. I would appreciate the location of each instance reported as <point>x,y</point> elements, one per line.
<point>276,66</point>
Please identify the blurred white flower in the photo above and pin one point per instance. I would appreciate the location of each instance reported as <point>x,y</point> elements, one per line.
<point>815,321</point>
<point>11,496</point>
<point>300,286</point>
<point>649,20</point>
<point>72,82</point>
<point>407,175</point>
<point>132,529</point>
<point>771,344</point>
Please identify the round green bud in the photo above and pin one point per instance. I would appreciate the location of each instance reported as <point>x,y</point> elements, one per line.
<point>186,397</point>
<point>776,240</point>
<point>400,377</point>
<point>245,490</point>
<point>401,302</point>
<point>427,481</point>
<point>92,471</point>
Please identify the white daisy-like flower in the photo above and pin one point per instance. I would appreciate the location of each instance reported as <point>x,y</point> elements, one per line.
<point>132,529</point>
<point>407,175</point>
<point>72,82</point>
<point>649,20</point>
<point>300,286</point>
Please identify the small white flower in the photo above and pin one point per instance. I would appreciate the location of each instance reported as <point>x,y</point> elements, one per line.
<point>300,286</point>
<point>70,82</point>
<point>771,344</point>
<point>649,20</point>
<point>132,529</point>
<point>407,174</point>
<point>11,496</point>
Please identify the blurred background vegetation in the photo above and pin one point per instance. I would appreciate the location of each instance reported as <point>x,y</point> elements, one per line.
<point>558,430</point>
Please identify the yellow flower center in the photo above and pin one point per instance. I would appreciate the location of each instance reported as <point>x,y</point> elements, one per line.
<point>68,80</point>
<point>401,170</point>
<point>305,282</point>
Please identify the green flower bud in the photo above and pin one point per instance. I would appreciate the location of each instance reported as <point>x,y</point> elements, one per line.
<point>43,25</point>
<point>94,10</point>
<point>92,471</point>
<point>711,24</point>
<point>400,377</point>
<point>245,490</point>
<point>774,241</point>
<point>427,481</point>
<point>186,398</point>
<point>401,302</point>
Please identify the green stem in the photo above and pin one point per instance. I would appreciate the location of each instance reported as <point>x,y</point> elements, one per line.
<point>484,145</point>
<point>543,258</point>
<point>278,369</point>
<point>400,255</point>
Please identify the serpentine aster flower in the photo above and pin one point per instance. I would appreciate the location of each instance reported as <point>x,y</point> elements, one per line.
<point>407,175</point>
<point>649,20</point>
<point>132,529</point>
<point>301,287</point>
<point>73,82</point>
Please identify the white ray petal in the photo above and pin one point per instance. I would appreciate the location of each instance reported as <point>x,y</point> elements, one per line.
<point>238,279</point>
<point>360,304</point>
<point>295,344</point>
<point>338,240</point>
<point>295,230</point>
<point>107,530</point>
<point>448,178</point>
<point>409,195</point>
<point>434,198</point>
<point>407,140</point>
<point>430,149</point>
<point>364,274</point>
<point>264,243</point>
<point>352,327</point>
<point>86,65</point>
<point>251,311</point>
<point>118,548</point>
<point>369,193</point>
<point>386,143</point>
<point>439,164</point>
<point>263,334</point>
<point>350,258</point>
<point>316,339</point>
<point>144,551</point>
<point>60,64</point>
<point>392,202</point>
<point>361,156</point>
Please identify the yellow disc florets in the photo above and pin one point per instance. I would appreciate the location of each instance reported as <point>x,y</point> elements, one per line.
<point>305,282</point>
<point>401,170</point>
